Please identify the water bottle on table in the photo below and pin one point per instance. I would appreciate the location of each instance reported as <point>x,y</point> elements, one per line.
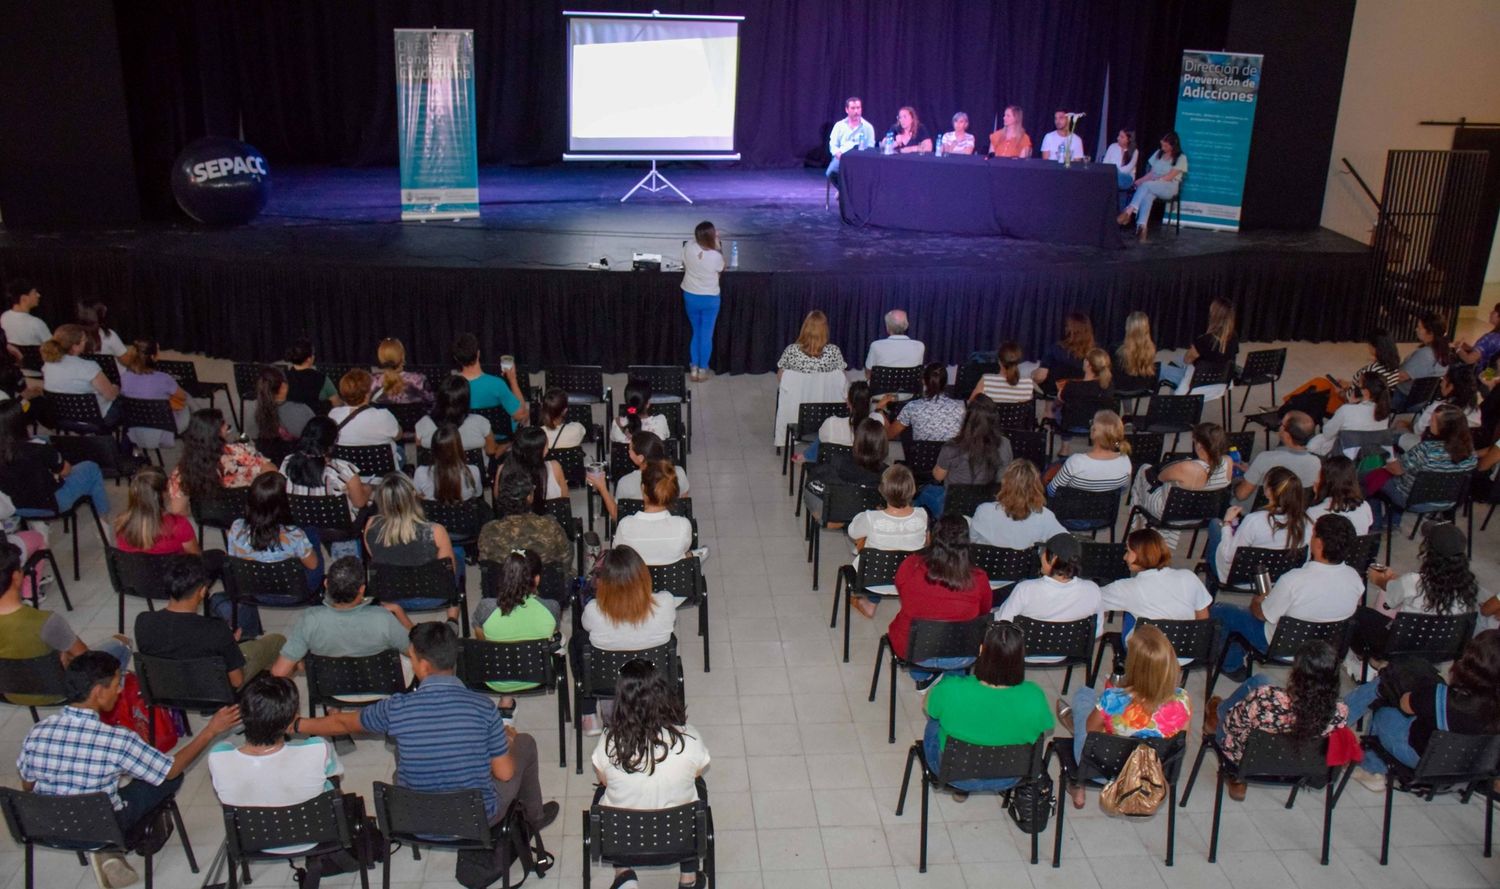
<point>734,254</point>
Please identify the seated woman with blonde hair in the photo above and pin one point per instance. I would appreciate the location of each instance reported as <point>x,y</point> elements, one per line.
<point>396,384</point>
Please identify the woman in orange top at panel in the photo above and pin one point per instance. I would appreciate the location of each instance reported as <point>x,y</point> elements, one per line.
<point>1011,139</point>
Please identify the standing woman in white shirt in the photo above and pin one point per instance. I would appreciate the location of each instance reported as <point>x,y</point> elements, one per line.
<point>1123,154</point>
<point>702,261</point>
<point>63,371</point>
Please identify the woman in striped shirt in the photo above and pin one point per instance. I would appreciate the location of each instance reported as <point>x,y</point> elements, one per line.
<point>1105,466</point>
<point>1009,386</point>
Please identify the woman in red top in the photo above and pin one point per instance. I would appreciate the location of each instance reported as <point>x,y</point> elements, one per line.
<point>939,583</point>
<point>146,526</point>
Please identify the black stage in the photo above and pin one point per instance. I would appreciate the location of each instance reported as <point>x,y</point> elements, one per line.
<point>329,257</point>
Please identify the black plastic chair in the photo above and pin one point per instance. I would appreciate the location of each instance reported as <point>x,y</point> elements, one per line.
<point>75,413</point>
<point>827,453</point>
<point>1072,641</point>
<point>328,514</point>
<point>453,820</point>
<point>1261,367</point>
<point>1435,638</point>
<point>1031,444</point>
<point>1452,762</point>
<point>69,520</point>
<point>1434,494</point>
<point>253,833</point>
<point>138,574</point>
<point>246,378</point>
<point>200,684</point>
<point>1249,561</point>
<point>341,682</point>
<point>31,357</point>
<point>371,460</point>
<point>433,580</point>
<point>1004,566</point>
<point>1091,511</point>
<point>573,463</point>
<point>926,640</point>
<point>584,383</point>
<point>1103,758</point>
<point>1205,376</point>
<point>407,414</point>
<point>149,413</point>
<point>669,385</point>
<point>841,503</point>
<point>281,584</point>
<point>500,421</point>
<point>968,376</point>
<point>1018,416</point>
<point>1190,639</point>
<point>599,670</point>
<point>1274,760</point>
<point>963,761</point>
<point>536,661</point>
<point>1103,562</point>
<point>684,579</point>
<point>219,511</point>
<point>1171,415</point>
<point>80,824</point>
<point>40,676</point>
<point>1290,635</point>
<point>1184,510</point>
<point>877,567</point>
<point>899,381</point>
<point>1146,449</point>
<point>964,500</point>
<point>186,374</point>
<point>462,519</point>
<point>1422,393</point>
<point>650,837</point>
<point>1366,550</point>
<point>107,365</point>
<point>920,457</point>
<point>810,416</point>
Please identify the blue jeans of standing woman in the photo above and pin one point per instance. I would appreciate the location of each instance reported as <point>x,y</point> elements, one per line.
<point>934,753</point>
<point>1389,726</point>
<point>702,312</point>
<point>84,481</point>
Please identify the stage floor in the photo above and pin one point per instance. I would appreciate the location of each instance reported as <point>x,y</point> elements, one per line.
<point>566,217</point>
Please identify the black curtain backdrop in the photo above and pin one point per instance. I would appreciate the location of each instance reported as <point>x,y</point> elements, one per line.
<point>315,82</point>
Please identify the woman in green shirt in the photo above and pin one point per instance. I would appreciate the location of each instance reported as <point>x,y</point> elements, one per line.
<point>516,614</point>
<point>994,707</point>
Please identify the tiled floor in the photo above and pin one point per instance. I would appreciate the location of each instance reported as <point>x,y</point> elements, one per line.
<point>803,783</point>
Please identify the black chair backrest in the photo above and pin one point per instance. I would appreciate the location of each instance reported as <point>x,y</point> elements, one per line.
<point>671,411</point>
<point>682,506</point>
<point>246,376</point>
<point>1098,507</point>
<point>969,375</point>
<point>330,678</point>
<point>946,638</point>
<point>31,357</point>
<point>599,669</point>
<point>1001,563</point>
<point>1104,755</point>
<point>433,580</point>
<point>1173,413</point>
<point>461,518</point>
<point>963,761</point>
<point>249,581</point>
<point>1434,637</point>
<point>572,461</point>
<point>251,830</point>
<point>1366,549</point>
<point>1244,442</point>
<point>368,459</point>
<point>900,380</point>
<point>191,683</point>
<point>561,509</point>
<point>1104,562</point>
<point>139,574</point>
<point>41,676</point>
<point>147,413</point>
<point>406,413</point>
<point>1263,366</point>
<point>919,456</point>
<point>1078,412</point>
<point>1030,444</point>
<point>220,510</point>
<point>450,818</point>
<point>648,837</point>
<point>1453,759</point>
<point>73,413</point>
<point>85,822</point>
<point>1423,390</point>
<point>1185,507</point>
<point>184,372</point>
<point>682,578</point>
<point>828,453</point>
<point>322,511</point>
<point>1360,439</point>
<point>1283,759</point>
<point>580,381</point>
<point>1251,560</point>
<point>1437,490</point>
<point>1205,374</point>
<point>842,502</point>
<point>500,421</point>
<point>1291,632</point>
<point>1073,639</point>
<point>1017,415</point>
<point>811,414</point>
<point>665,379</point>
<point>963,500</point>
<point>877,567</point>
<point>481,662</point>
<point>1145,448</point>
<point>1190,638</point>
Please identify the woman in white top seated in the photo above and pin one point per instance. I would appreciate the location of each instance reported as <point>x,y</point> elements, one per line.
<point>840,430</point>
<point>1123,154</point>
<point>659,537</point>
<point>636,414</point>
<point>1208,470</point>
<point>529,451</point>
<point>1365,409</point>
<point>93,316</point>
<point>1443,585</point>
<point>63,371</point>
<point>1154,589</point>
<point>358,422</point>
<point>899,527</point>
<point>1282,524</point>
<point>451,405</point>
<point>960,141</point>
<point>561,432</point>
<point>625,614</point>
<point>644,448</point>
<point>1019,517</point>
<point>1105,466</point>
<point>312,471</point>
<point>649,758</point>
<point>1009,386</point>
<point>1339,492</point>
<point>450,478</point>
<point>1459,387</point>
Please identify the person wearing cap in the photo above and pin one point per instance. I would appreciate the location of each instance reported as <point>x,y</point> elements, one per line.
<point>1442,585</point>
<point>1325,590</point>
<point>1059,595</point>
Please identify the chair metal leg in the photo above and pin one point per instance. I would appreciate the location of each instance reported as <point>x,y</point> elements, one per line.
<point>562,725</point>
<point>1385,827</point>
<point>911,758</point>
<point>1171,822</point>
<point>1489,816</point>
<point>1193,775</point>
<point>922,851</point>
<point>838,588</point>
<point>1067,679</point>
<point>1213,842</point>
<point>817,550</point>
<point>1057,832</point>
<point>885,642</point>
<point>892,738</point>
<point>187,846</point>
<point>1328,799</point>
<point>578,734</point>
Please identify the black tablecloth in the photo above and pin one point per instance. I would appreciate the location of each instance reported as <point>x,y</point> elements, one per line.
<point>1034,200</point>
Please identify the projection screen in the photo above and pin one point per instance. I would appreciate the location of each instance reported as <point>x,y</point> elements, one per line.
<point>651,84</point>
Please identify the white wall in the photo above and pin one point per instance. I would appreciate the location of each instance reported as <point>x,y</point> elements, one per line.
<point>1409,60</point>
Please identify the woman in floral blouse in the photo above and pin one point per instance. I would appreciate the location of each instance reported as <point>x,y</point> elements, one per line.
<point>1307,709</point>
<point>211,461</point>
<point>812,352</point>
<point>1149,704</point>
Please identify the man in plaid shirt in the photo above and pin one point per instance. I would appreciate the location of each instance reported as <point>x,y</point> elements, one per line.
<point>73,752</point>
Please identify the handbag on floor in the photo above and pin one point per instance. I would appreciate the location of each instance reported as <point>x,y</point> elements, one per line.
<point>1024,796</point>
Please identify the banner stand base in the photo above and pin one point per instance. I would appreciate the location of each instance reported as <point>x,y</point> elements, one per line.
<point>653,182</point>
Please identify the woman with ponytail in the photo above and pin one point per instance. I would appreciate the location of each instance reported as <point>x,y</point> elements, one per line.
<point>1282,524</point>
<point>393,383</point>
<point>932,416</point>
<point>840,430</point>
<point>64,372</point>
<point>636,414</point>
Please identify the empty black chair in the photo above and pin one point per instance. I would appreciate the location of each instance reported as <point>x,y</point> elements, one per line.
<point>1184,510</point>
<point>877,567</point>
<point>253,833</point>
<point>1249,561</point>
<point>920,457</point>
<point>1207,376</point>
<point>33,678</point>
<point>899,381</point>
<point>1291,633</point>
<point>584,383</point>
<point>138,574</point>
<point>1261,367</point>
<point>840,504</point>
<point>351,682</point>
<point>684,579</point>
<point>434,580</point>
<point>1434,494</point>
<point>599,670</point>
<point>1091,511</point>
<point>246,377</point>
<point>963,761</point>
<point>1171,415</point>
<point>454,820</point>
<point>650,837</point>
<point>200,684</point>
<point>928,639</point>
<point>70,524</point>
<point>220,510</point>
<point>1192,639</point>
<point>1061,644</point>
<point>536,662</point>
<point>85,823</point>
<point>280,584</point>
<point>964,500</point>
<point>1103,758</point>
<point>1019,416</point>
<point>1274,760</point>
<point>1103,562</point>
<point>810,416</point>
<point>1435,638</point>
<point>371,460</point>
<point>186,374</point>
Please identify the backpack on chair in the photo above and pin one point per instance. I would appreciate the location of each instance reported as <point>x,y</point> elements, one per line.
<point>1140,787</point>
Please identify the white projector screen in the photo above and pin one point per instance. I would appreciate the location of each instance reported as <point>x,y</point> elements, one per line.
<point>651,83</point>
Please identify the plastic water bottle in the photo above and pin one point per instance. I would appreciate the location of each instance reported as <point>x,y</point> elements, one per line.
<point>938,149</point>
<point>734,254</point>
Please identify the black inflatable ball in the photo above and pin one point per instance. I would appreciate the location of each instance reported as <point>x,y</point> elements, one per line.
<point>221,181</point>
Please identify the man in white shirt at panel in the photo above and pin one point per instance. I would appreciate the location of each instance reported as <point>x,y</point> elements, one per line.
<point>897,349</point>
<point>849,134</point>
<point>1052,143</point>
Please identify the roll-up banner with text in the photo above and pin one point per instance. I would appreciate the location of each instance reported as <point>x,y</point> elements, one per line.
<point>435,115</point>
<point>1215,112</point>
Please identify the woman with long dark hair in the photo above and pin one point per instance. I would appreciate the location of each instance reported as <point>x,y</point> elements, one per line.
<point>1282,524</point>
<point>976,456</point>
<point>1338,493</point>
<point>92,314</point>
<point>211,461</point>
<point>702,262</point>
<point>561,432</point>
<point>1208,470</point>
<point>636,414</point>
<point>931,416</point>
<point>1448,447</point>
<point>939,583</point>
<point>910,134</point>
<point>1306,709</point>
<point>528,450</point>
<point>516,613</point>
<point>452,406</point>
<point>1430,359</point>
<point>1123,154</point>
<point>650,757</point>
<point>646,447</point>
<point>450,478</point>
<point>1365,409</point>
<point>1443,584</point>
<point>1457,387</point>
<point>863,466</point>
<point>311,470</point>
<point>840,430</point>
<point>279,421</point>
<point>267,533</point>
<point>1167,167</point>
<point>1322,396</point>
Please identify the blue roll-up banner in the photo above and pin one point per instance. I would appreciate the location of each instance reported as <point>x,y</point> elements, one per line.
<point>435,115</point>
<point>1215,112</point>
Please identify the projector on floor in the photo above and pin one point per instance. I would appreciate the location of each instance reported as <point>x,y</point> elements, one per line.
<point>645,262</point>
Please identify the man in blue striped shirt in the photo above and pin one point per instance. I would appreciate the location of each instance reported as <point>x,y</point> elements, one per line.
<point>448,737</point>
